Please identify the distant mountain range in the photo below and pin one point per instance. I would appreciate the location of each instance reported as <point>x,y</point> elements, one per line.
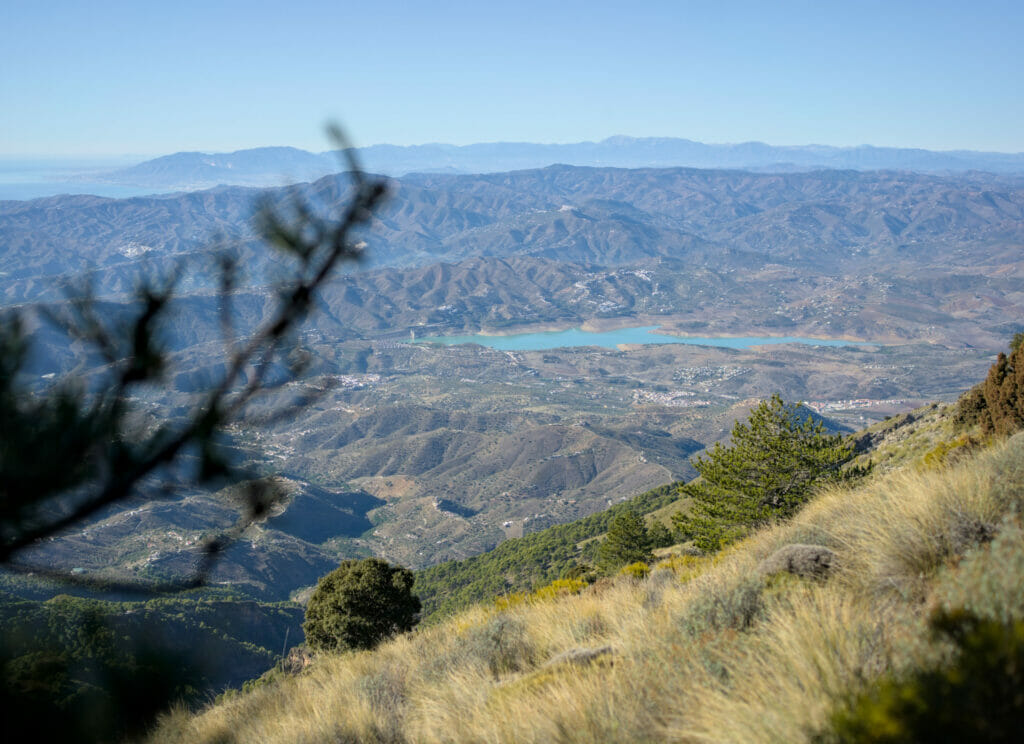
<point>871,255</point>
<point>272,166</point>
<point>842,221</point>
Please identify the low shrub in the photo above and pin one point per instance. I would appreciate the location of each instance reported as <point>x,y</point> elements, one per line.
<point>975,696</point>
<point>557,588</point>
<point>948,452</point>
<point>725,607</point>
<point>987,582</point>
<point>638,570</point>
<point>501,645</point>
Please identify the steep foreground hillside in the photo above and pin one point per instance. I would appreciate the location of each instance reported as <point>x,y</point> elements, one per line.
<point>715,648</point>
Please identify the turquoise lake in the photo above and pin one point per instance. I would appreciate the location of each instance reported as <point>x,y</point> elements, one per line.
<point>611,339</point>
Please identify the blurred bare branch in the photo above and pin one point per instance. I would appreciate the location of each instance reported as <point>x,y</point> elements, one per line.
<point>68,454</point>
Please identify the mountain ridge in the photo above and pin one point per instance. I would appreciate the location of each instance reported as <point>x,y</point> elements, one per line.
<point>605,216</point>
<point>269,166</point>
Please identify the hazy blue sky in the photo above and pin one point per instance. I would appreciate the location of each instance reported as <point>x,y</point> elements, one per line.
<point>97,77</point>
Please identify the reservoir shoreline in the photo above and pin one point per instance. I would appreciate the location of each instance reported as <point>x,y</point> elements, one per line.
<point>629,336</point>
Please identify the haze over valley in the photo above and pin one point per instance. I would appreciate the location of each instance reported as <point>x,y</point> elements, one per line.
<point>423,453</point>
<point>272,166</point>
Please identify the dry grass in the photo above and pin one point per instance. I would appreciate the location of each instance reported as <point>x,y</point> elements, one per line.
<point>704,649</point>
<point>781,682</point>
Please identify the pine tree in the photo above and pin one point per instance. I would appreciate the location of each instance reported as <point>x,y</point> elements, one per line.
<point>1004,394</point>
<point>660,535</point>
<point>627,541</point>
<point>67,456</point>
<point>772,464</point>
<point>997,404</point>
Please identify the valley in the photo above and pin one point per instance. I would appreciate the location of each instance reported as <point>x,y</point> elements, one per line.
<point>424,452</point>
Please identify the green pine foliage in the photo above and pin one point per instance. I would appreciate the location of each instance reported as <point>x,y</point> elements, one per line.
<point>68,453</point>
<point>1004,394</point>
<point>771,466</point>
<point>71,451</point>
<point>359,604</point>
<point>627,542</point>
<point>660,535</point>
<point>997,404</point>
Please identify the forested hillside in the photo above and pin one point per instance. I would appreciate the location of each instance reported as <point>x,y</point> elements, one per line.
<point>525,563</point>
<point>76,667</point>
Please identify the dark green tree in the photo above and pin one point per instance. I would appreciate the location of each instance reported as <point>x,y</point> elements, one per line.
<point>1004,394</point>
<point>627,541</point>
<point>359,604</point>
<point>772,464</point>
<point>660,535</point>
<point>997,404</point>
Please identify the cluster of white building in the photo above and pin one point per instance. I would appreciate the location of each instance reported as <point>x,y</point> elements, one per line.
<point>820,406</point>
<point>677,398</point>
<point>354,382</point>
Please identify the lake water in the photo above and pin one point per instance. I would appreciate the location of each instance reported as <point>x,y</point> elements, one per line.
<point>611,339</point>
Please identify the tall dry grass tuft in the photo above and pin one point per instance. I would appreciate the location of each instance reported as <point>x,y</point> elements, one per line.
<point>780,683</point>
<point>704,649</point>
<point>897,531</point>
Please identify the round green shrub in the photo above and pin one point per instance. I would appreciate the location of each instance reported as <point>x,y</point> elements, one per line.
<point>359,604</point>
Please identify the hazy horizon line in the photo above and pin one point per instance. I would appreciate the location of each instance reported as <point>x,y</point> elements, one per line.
<point>98,157</point>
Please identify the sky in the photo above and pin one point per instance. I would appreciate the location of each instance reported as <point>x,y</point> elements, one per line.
<point>97,79</point>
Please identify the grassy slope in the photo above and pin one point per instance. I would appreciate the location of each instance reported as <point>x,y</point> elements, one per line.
<point>703,649</point>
